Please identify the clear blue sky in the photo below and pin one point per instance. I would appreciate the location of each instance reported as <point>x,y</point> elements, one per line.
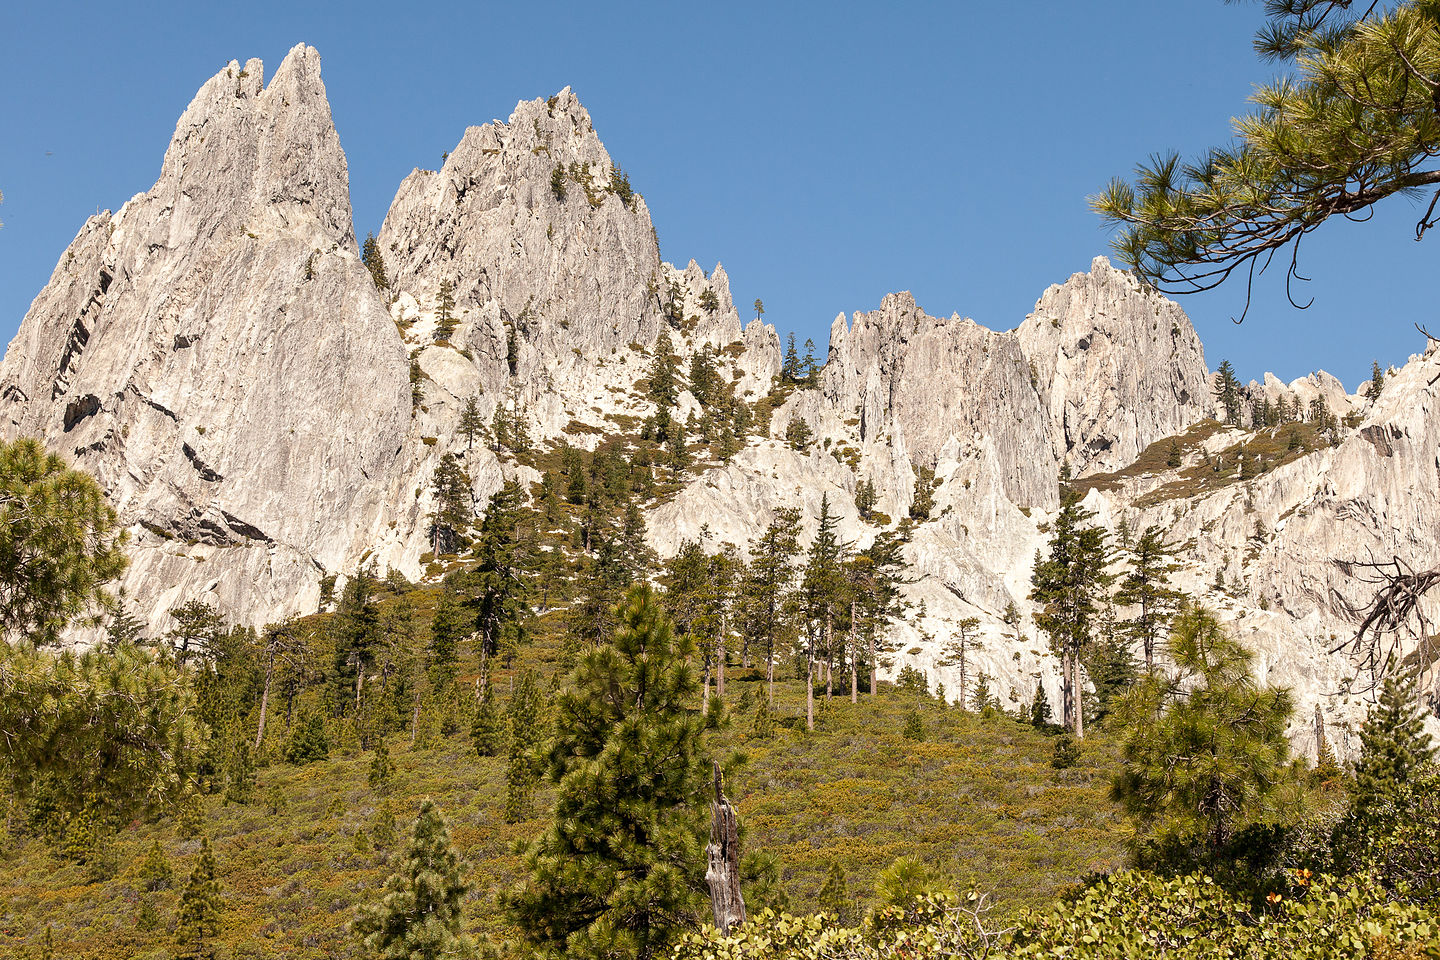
<point>827,153</point>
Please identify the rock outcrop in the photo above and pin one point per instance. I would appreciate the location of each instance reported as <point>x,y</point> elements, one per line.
<point>1118,367</point>
<point>219,357</point>
<point>216,354</point>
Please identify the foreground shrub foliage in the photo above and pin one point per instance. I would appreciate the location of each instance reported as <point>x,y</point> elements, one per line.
<point>1127,915</point>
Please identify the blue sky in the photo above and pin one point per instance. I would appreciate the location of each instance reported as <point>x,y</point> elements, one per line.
<point>827,153</point>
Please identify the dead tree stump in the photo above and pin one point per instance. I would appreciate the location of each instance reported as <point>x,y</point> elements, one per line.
<point>723,872</point>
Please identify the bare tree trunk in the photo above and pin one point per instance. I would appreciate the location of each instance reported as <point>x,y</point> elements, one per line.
<point>723,871</point>
<point>829,657</point>
<point>720,662</point>
<point>1078,696</point>
<point>705,693</point>
<point>770,675</point>
<point>874,665</point>
<point>265,701</point>
<point>810,688</point>
<point>1067,716</point>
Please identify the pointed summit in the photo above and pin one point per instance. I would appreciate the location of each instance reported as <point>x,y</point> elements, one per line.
<point>216,355</point>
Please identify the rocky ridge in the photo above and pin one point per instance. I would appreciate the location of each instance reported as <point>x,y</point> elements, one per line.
<point>218,356</point>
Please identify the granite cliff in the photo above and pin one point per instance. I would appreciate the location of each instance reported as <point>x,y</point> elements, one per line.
<point>217,354</point>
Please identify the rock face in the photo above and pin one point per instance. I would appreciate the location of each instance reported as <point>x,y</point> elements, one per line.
<point>217,356</point>
<point>931,380</point>
<point>1118,365</point>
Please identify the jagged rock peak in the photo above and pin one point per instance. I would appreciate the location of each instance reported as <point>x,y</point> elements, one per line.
<point>1118,365</point>
<point>525,221</point>
<point>242,146</point>
<point>941,378</point>
<point>216,355</point>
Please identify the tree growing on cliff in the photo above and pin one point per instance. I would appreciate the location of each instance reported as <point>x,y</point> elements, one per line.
<point>374,262</point>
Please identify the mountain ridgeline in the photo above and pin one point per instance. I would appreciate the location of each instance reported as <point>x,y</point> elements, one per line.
<point>269,408</point>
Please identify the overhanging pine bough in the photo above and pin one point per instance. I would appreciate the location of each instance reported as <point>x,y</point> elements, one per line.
<point>1358,121</point>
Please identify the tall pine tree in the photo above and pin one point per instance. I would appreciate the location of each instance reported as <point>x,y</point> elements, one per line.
<point>618,872</point>
<point>420,911</point>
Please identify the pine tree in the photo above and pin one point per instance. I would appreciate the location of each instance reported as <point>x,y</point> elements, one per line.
<point>498,586</point>
<point>664,388</point>
<point>1394,747</point>
<point>454,506</point>
<point>472,425</point>
<point>957,652</point>
<point>1147,586</point>
<point>154,872</point>
<point>923,499</point>
<point>374,262</point>
<point>822,589</point>
<point>421,909</point>
<point>307,742</point>
<point>1202,749</point>
<point>1227,392</point>
<point>834,898</point>
<point>865,498</point>
<point>618,872</point>
<point>522,771</point>
<point>445,312</point>
<point>1068,585</point>
<point>198,922</point>
<point>790,366</point>
<point>767,588</point>
<point>487,727</point>
<point>1040,709</point>
<point>1377,381</point>
<point>382,768</point>
<point>451,624</point>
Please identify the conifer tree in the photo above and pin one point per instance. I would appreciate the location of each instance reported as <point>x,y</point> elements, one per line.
<point>374,262</point>
<point>1394,747</point>
<point>1067,586</point>
<point>382,768</point>
<point>1203,748</point>
<point>790,369</point>
<point>307,742</point>
<point>822,590</point>
<point>523,770</point>
<point>618,872</point>
<point>1377,380</point>
<point>664,390</point>
<point>1040,708</point>
<point>154,872</point>
<point>834,898</point>
<point>500,590</point>
<point>957,653</point>
<point>487,726</point>
<point>197,628</point>
<point>1227,391</point>
<point>472,424</point>
<point>450,625</point>
<point>767,588</point>
<point>445,312</point>
<point>421,909</point>
<point>1147,586</point>
<point>198,920</point>
<point>454,507</point>
<point>923,499</point>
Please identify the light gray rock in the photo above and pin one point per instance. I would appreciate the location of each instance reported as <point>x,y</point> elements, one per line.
<point>1119,367</point>
<point>216,355</point>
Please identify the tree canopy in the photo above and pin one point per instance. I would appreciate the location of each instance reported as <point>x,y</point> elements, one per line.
<point>1354,119</point>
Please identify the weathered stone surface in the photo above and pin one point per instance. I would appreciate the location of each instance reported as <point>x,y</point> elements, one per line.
<point>218,357</point>
<point>216,354</point>
<point>932,379</point>
<point>1118,365</point>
